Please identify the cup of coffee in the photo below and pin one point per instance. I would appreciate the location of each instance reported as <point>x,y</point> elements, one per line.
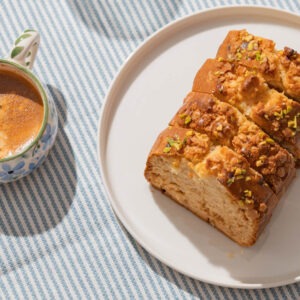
<point>28,117</point>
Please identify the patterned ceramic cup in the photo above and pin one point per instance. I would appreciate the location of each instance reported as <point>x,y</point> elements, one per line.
<point>20,62</point>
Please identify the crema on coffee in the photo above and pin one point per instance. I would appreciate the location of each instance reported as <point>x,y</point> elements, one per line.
<point>21,113</point>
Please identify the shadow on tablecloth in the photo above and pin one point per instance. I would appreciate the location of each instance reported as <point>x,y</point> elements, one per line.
<point>103,18</point>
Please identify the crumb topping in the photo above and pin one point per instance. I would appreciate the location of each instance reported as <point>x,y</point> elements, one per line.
<point>280,118</point>
<point>225,126</point>
<point>280,68</point>
<point>188,143</point>
<point>234,172</point>
<point>204,113</point>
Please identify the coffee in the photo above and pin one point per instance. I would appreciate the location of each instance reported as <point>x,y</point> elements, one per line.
<point>21,113</point>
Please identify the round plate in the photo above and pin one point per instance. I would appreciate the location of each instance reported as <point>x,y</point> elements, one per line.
<point>146,93</point>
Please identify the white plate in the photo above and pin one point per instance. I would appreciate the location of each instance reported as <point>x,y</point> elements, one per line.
<point>146,93</point>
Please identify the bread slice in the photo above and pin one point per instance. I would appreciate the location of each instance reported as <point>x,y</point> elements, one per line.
<point>281,69</point>
<point>226,126</point>
<point>212,181</point>
<point>276,114</point>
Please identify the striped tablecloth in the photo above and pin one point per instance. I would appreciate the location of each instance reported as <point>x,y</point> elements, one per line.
<point>59,238</point>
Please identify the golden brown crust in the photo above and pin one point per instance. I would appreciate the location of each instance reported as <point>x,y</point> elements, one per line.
<point>182,142</point>
<point>290,72</point>
<point>206,114</point>
<point>281,69</point>
<point>225,125</point>
<point>211,148</point>
<point>280,117</point>
<point>232,170</point>
<point>229,82</point>
<point>276,114</point>
<point>265,156</point>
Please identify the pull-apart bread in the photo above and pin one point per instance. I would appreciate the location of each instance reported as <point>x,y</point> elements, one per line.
<point>280,68</point>
<point>214,182</point>
<point>229,152</point>
<point>247,90</point>
<point>227,126</point>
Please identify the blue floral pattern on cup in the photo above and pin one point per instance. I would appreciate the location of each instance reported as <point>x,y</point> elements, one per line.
<point>35,164</point>
<point>12,171</point>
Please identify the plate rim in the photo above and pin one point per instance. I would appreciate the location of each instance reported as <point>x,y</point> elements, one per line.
<point>102,145</point>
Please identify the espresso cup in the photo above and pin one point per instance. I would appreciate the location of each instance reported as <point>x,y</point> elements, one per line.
<point>24,144</point>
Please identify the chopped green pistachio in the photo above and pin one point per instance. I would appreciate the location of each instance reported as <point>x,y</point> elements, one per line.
<point>220,59</point>
<point>238,56</point>
<point>249,201</point>
<point>239,177</point>
<point>167,149</point>
<point>230,181</point>
<point>293,123</point>
<point>278,115</point>
<point>250,47</point>
<point>182,116</point>
<point>187,120</point>
<point>283,113</point>
<point>239,171</point>
<point>248,193</point>
<point>257,56</point>
<point>270,141</point>
<point>248,178</point>
<point>175,143</point>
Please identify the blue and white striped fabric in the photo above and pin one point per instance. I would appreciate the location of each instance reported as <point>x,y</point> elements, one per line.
<point>59,238</point>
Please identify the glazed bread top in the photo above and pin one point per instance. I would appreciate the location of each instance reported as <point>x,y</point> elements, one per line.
<point>247,187</point>
<point>247,90</point>
<point>226,126</point>
<point>281,69</point>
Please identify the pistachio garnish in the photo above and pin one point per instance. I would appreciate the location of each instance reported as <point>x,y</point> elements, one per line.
<point>293,123</point>
<point>249,201</point>
<point>248,193</point>
<point>175,143</point>
<point>270,141</point>
<point>258,56</point>
<point>238,56</point>
<point>248,178</point>
<point>187,120</point>
<point>230,181</point>
<point>167,149</point>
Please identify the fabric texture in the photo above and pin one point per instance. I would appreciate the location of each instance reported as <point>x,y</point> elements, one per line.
<point>59,238</point>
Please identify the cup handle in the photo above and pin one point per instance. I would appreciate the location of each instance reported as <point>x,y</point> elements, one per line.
<point>25,48</point>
